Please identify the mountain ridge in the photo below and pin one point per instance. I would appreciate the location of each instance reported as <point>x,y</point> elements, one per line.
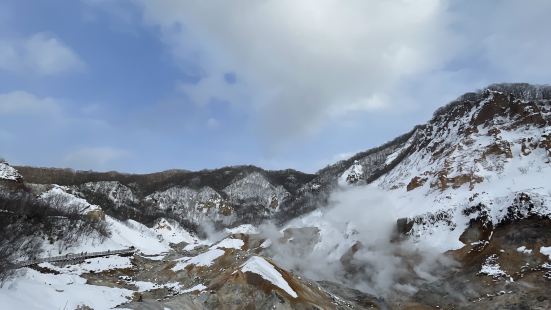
<point>306,191</point>
<point>453,214</point>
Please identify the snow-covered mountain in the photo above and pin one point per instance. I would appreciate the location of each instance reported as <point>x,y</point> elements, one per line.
<point>227,197</point>
<point>115,192</point>
<point>476,158</point>
<point>455,213</point>
<point>8,173</point>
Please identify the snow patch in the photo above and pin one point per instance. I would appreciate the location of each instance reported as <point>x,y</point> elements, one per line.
<point>97,264</point>
<point>266,244</point>
<point>242,229</point>
<point>491,268</point>
<point>524,250</point>
<point>154,257</point>
<point>267,271</point>
<point>546,251</point>
<point>229,243</point>
<point>144,286</point>
<point>203,259</point>
<point>132,233</point>
<point>198,287</point>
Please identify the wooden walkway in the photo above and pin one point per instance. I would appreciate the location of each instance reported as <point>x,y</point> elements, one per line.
<point>75,257</point>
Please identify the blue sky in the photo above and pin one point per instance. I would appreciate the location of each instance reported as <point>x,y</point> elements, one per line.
<point>142,86</point>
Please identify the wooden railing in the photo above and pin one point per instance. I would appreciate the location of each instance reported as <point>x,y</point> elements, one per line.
<point>74,257</point>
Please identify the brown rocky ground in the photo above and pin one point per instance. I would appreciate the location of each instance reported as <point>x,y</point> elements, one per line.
<point>524,283</point>
<point>522,279</point>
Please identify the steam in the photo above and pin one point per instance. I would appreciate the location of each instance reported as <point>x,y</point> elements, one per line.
<point>209,231</point>
<point>357,245</point>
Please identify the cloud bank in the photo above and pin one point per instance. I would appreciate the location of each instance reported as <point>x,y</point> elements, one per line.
<point>40,54</point>
<point>301,65</point>
<point>277,83</point>
<point>303,62</point>
<point>24,103</point>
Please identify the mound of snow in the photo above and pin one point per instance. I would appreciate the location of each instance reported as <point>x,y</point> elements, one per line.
<point>267,271</point>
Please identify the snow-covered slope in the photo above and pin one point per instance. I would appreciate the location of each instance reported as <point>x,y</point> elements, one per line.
<point>482,156</point>
<point>256,187</point>
<point>218,195</point>
<point>170,231</point>
<point>60,197</point>
<point>183,197</point>
<point>263,268</point>
<point>125,234</point>
<point>352,175</point>
<point>11,181</point>
<point>196,205</point>
<point>477,170</point>
<point>44,291</point>
<point>483,151</point>
<point>119,194</point>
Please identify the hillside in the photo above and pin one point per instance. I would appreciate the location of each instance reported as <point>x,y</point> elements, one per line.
<point>454,214</point>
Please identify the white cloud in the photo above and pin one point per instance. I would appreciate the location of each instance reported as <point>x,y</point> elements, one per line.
<point>24,103</point>
<point>94,157</point>
<point>58,134</point>
<point>40,54</point>
<point>305,62</point>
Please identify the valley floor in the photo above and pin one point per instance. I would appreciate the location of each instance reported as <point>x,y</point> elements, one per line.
<point>506,268</point>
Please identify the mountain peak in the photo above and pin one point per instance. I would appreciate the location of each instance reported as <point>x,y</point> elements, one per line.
<point>9,173</point>
<point>522,92</point>
<point>476,136</point>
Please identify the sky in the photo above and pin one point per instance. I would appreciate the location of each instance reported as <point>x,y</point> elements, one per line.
<point>142,86</point>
